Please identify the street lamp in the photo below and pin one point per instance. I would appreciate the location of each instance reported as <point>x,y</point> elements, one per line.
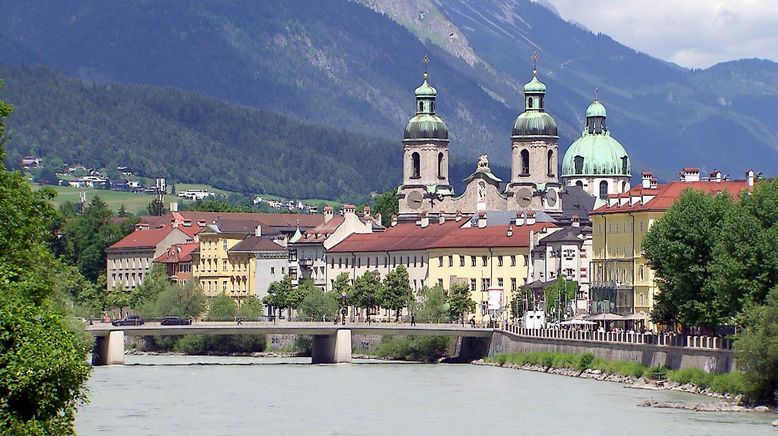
<point>343,307</point>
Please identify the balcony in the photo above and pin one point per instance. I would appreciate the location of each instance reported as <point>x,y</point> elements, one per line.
<point>305,262</point>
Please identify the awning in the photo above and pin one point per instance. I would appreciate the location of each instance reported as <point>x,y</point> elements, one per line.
<point>606,317</point>
<point>578,322</point>
<point>636,317</point>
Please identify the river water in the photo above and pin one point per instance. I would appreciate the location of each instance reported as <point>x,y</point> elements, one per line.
<point>188,395</point>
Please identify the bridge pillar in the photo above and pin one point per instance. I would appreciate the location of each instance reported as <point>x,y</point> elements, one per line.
<point>109,350</point>
<point>332,348</point>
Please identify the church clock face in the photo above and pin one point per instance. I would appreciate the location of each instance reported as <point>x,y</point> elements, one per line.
<point>414,200</point>
<point>551,197</point>
<point>523,197</point>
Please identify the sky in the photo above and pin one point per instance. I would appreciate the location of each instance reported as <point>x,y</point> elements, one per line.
<point>690,33</point>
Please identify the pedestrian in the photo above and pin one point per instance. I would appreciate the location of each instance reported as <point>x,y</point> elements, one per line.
<point>413,319</point>
<point>239,321</point>
<point>472,322</point>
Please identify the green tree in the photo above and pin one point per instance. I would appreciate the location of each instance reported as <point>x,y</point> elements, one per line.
<point>521,302</point>
<point>460,302</point>
<point>560,293</point>
<point>366,291</point>
<point>222,308</point>
<point>397,292</point>
<point>319,306</point>
<point>679,248</point>
<point>298,294</point>
<point>250,308</point>
<point>342,285</point>
<point>757,351</point>
<point>278,294</point>
<point>144,297</point>
<point>187,300</point>
<point>116,299</point>
<point>432,305</point>
<point>387,204</point>
<point>122,212</point>
<point>156,207</point>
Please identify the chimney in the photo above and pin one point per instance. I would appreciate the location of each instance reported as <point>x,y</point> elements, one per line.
<point>174,223</point>
<point>366,212</point>
<point>510,230</point>
<point>646,181</point>
<point>576,221</point>
<point>519,218</point>
<point>349,209</point>
<point>424,220</point>
<point>690,175</point>
<point>258,231</point>
<point>378,218</point>
<point>530,217</point>
<point>481,219</point>
<point>750,176</point>
<point>654,183</point>
<point>442,217</point>
<point>458,216</point>
<point>394,219</point>
<point>329,212</point>
<point>715,176</point>
<point>174,206</point>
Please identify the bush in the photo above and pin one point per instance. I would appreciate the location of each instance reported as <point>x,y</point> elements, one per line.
<point>223,344</point>
<point>421,348</point>
<point>684,376</point>
<point>656,373</point>
<point>585,361</point>
<point>731,383</point>
<point>303,345</point>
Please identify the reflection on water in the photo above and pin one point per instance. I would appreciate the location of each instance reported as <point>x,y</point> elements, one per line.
<point>195,395</point>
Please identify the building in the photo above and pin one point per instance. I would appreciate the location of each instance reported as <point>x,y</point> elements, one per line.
<point>491,260</point>
<point>307,251</point>
<point>267,260</point>
<point>563,252</point>
<point>130,259</point>
<point>621,280</point>
<point>534,184</point>
<point>177,261</point>
<point>596,161</point>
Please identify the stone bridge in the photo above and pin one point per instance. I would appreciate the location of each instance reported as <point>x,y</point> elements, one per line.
<point>331,343</point>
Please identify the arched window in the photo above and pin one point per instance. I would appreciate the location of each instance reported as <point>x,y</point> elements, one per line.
<point>624,164</point>
<point>432,106</point>
<point>529,102</point>
<point>416,162</point>
<point>603,190</point>
<point>541,102</point>
<point>579,161</point>
<point>524,163</point>
<point>551,162</point>
<point>421,106</point>
<point>579,184</point>
<point>440,165</point>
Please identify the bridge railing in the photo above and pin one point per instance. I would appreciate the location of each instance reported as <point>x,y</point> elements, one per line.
<point>700,342</point>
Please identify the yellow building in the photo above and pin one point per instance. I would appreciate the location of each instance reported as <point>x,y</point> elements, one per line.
<point>218,270</point>
<point>622,282</point>
<point>488,259</point>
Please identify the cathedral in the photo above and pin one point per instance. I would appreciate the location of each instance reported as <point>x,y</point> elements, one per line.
<point>595,163</point>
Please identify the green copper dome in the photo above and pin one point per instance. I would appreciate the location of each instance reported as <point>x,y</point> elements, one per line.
<point>596,152</point>
<point>596,109</point>
<point>534,85</point>
<point>534,123</point>
<point>426,90</point>
<point>426,126</point>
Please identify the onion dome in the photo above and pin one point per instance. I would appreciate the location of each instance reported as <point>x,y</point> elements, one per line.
<point>426,124</point>
<point>596,152</point>
<point>534,121</point>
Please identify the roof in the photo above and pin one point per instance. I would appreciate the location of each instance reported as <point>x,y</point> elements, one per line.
<point>239,222</point>
<point>143,238</point>
<point>566,234</point>
<point>178,253</point>
<point>489,237</point>
<point>534,86</point>
<point>402,237</point>
<point>534,123</point>
<point>503,218</point>
<point>596,109</point>
<point>601,153</point>
<point>576,201</point>
<point>255,243</point>
<point>663,196</point>
<point>319,233</point>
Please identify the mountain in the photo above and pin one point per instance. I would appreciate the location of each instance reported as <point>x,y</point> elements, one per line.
<point>353,65</point>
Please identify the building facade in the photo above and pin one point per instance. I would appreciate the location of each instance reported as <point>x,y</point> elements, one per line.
<point>130,259</point>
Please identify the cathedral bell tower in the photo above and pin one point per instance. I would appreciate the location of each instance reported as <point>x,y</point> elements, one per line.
<point>425,154</point>
<point>534,182</point>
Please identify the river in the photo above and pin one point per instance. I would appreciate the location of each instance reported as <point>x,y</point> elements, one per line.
<point>188,395</point>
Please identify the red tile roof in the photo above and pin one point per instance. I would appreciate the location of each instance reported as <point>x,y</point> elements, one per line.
<point>403,236</point>
<point>489,237</point>
<point>255,243</point>
<point>271,222</point>
<point>178,253</point>
<point>142,238</point>
<point>663,196</point>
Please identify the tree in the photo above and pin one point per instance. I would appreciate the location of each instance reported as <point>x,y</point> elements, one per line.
<point>520,302</point>
<point>757,351</point>
<point>187,300</point>
<point>432,305</point>
<point>460,302</point>
<point>679,248</point>
<point>387,204</point>
<point>144,297</point>
<point>298,294</point>
<point>366,291</point>
<point>45,176</point>
<point>122,212</point>
<point>250,308</point>
<point>342,285</point>
<point>156,207</point>
<point>560,293</point>
<point>397,292</point>
<point>319,306</point>
<point>222,308</point>
<point>116,299</point>
<point>278,294</point>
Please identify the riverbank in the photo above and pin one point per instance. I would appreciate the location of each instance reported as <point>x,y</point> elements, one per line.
<point>727,387</point>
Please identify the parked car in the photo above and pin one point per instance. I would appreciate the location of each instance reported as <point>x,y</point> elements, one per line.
<point>129,320</point>
<point>175,320</point>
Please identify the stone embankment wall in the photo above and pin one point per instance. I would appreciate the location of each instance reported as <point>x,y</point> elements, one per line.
<point>650,355</point>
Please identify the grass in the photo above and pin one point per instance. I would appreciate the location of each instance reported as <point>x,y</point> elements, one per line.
<point>727,383</point>
<point>132,202</point>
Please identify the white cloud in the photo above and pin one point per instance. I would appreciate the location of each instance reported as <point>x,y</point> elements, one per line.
<point>691,33</point>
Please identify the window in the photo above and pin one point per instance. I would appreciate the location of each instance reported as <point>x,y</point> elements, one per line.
<point>485,284</point>
<point>472,285</point>
<point>530,103</point>
<point>224,244</point>
<point>283,270</point>
<point>414,260</point>
<point>513,283</point>
<point>513,260</point>
<point>432,106</point>
<point>440,282</point>
<point>368,262</point>
<point>359,262</point>
<point>340,262</point>
<point>500,283</point>
<point>346,262</point>
<point>461,260</point>
<point>579,161</point>
<point>440,166</point>
<point>472,260</point>
<point>499,260</point>
<point>272,270</point>
<point>641,226</point>
<point>224,265</point>
<point>440,261</point>
<point>414,284</point>
<point>551,163</point>
<point>524,163</point>
<point>603,190</point>
<point>386,261</point>
<point>421,106</point>
<point>224,285</point>
<point>416,162</point>
<point>579,184</point>
<point>642,300</point>
<point>483,260</point>
<point>451,261</point>
<point>624,165</point>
